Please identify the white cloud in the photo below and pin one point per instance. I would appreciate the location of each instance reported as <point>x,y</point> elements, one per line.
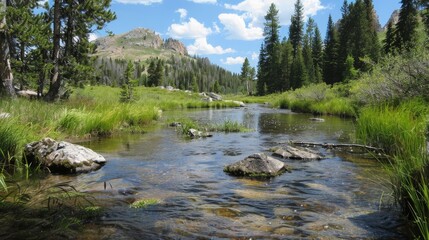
<point>255,10</point>
<point>201,46</point>
<point>233,61</point>
<point>237,29</point>
<point>183,13</point>
<point>144,2</point>
<point>216,27</point>
<point>92,37</point>
<point>203,1</point>
<point>190,30</point>
<point>255,56</point>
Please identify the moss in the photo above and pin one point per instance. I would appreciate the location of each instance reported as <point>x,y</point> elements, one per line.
<point>143,203</point>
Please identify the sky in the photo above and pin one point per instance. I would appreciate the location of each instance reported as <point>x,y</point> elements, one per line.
<point>225,31</point>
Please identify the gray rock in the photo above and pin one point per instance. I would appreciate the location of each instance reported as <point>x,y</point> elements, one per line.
<point>208,99</point>
<point>215,96</point>
<point>194,133</point>
<point>257,165</point>
<point>62,157</point>
<point>295,153</point>
<point>239,103</point>
<point>27,94</point>
<point>175,124</point>
<point>317,119</point>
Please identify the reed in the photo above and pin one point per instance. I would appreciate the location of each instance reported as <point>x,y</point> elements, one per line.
<point>401,132</point>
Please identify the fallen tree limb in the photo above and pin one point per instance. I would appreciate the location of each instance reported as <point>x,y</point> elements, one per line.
<point>336,145</point>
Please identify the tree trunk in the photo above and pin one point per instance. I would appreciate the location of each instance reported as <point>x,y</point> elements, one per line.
<point>55,83</point>
<point>6,76</point>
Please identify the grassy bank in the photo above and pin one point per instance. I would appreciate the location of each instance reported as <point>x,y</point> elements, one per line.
<point>401,131</point>
<point>93,111</point>
<point>319,99</point>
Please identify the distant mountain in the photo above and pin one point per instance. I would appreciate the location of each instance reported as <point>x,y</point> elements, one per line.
<point>394,18</point>
<point>144,47</point>
<point>138,44</point>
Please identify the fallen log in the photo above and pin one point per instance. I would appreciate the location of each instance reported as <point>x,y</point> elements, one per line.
<point>336,145</point>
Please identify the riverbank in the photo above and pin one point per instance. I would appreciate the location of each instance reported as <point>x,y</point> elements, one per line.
<point>90,112</point>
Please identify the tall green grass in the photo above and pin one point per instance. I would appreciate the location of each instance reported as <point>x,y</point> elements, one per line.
<point>401,131</point>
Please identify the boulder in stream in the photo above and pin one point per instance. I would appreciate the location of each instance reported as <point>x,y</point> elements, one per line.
<point>257,165</point>
<point>295,153</point>
<point>62,157</point>
<point>194,133</point>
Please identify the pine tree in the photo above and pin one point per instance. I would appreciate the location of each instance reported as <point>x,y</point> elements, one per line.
<point>128,84</point>
<point>296,27</point>
<point>272,46</point>
<point>406,28</point>
<point>299,76</point>
<point>195,87</point>
<point>245,74</point>
<point>388,42</point>
<point>262,72</point>
<point>317,51</point>
<point>350,72</point>
<point>330,61</point>
<point>286,64</point>
<point>6,76</point>
<point>307,51</point>
<point>425,13</point>
<point>72,23</point>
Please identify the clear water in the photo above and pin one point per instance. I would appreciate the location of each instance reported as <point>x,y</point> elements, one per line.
<point>341,197</point>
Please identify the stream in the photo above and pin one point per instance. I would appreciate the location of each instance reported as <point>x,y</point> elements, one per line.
<point>344,196</point>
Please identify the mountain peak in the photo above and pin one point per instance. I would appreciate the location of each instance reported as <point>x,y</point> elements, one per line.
<point>139,43</point>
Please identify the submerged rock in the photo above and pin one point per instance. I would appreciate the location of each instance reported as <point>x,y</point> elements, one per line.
<point>295,153</point>
<point>62,157</point>
<point>257,165</point>
<point>317,119</point>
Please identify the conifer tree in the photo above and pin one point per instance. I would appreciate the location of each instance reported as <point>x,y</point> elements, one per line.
<point>330,61</point>
<point>425,13</point>
<point>299,76</point>
<point>307,51</point>
<point>272,46</point>
<point>406,28</point>
<point>262,72</point>
<point>128,84</point>
<point>245,75</point>
<point>317,51</point>
<point>6,76</point>
<point>388,42</point>
<point>296,27</point>
<point>286,63</point>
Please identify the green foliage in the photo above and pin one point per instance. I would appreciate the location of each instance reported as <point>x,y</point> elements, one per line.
<point>331,59</point>
<point>358,35</point>
<point>144,203</point>
<point>350,72</point>
<point>399,131</point>
<point>406,28</point>
<point>13,137</point>
<point>395,79</point>
<point>297,27</point>
<point>269,57</point>
<point>228,126</point>
<point>128,84</point>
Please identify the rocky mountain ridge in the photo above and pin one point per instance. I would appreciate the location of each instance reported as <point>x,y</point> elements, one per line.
<point>140,43</point>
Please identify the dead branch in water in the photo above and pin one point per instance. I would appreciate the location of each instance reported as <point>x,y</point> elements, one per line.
<point>336,145</point>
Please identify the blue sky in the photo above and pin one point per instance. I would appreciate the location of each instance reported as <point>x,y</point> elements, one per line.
<point>224,31</point>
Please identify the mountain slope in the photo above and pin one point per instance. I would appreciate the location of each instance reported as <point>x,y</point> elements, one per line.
<point>138,44</point>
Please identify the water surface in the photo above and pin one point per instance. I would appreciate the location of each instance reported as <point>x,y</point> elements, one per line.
<point>341,197</point>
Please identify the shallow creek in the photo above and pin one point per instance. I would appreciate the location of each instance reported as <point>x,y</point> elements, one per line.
<point>341,197</point>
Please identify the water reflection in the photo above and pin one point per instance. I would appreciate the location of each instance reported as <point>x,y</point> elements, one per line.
<point>334,198</point>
